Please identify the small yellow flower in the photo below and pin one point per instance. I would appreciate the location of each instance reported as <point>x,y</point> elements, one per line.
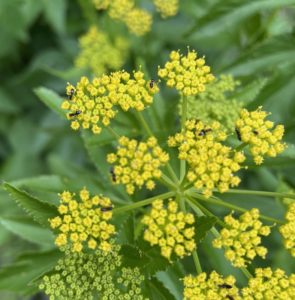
<point>270,285</point>
<point>241,238</point>
<point>83,222</point>
<point>263,139</point>
<point>214,286</point>
<point>120,8</point>
<point>288,230</point>
<point>211,164</point>
<point>188,74</point>
<point>137,163</point>
<point>173,235</point>
<point>99,53</point>
<point>101,4</point>
<point>167,8</point>
<point>138,21</point>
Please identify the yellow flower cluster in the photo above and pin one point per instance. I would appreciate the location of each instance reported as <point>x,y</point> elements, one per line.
<point>99,53</point>
<point>167,8</point>
<point>101,4</point>
<point>138,21</point>
<point>214,287</point>
<point>83,222</point>
<point>93,104</point>
<point>170,229</point>
<point>188,74</point>
<point>137,163</point>
<point>253,129</point>
<point>241,238</point>
<point>270,285</point>
<point>288,230</point>
<point>211,164</point>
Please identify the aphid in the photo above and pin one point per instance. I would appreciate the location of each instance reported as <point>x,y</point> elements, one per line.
<point>204,131</point>
<point>71,94</point>
<point>104,209</point>
<point>152,82</point>
<point>76,113</point>
<point>238,134</point>
<point>114,178</point>
<point>225,286</point>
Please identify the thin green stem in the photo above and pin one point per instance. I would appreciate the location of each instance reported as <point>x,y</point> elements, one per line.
<point>144,124</point>
<point>165,180</point>
<point>241,146</point>
<point>183,120</point>
<point>141,203</point>
<point>113,132</point>
<point>197,262</point>
<point>172,173</point>
<point>229,205</point>
<point>261,193</point>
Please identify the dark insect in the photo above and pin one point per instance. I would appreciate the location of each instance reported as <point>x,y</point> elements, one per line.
<point>104,209</point>
<point>76,113</point>
<point>255,132</point>
<point>114,179</point>
<point>71,94</point>
<point>238,134</point>
<point>204,131</point>
<point>152,82</point>
<point>230,297</point>
<point>225,286</point>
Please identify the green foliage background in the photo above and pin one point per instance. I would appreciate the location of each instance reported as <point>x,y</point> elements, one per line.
<point>254,40</point>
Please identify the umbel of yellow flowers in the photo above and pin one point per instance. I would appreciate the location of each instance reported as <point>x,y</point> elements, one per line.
<point>170,228</point>
<point>83,223</point>
<point>137,163</point>
<point>288,230</point>
<point>241,238</point>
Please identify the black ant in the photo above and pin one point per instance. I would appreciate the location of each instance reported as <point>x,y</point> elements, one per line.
<point>104,209</point>
<point>76,113</point>
<point>238,134</point>
<point>225,286</point>
<point>204,131</point>
<point>71,94</point>
<point>114,179</point>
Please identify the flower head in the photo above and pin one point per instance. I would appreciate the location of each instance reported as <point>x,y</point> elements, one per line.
<point>120,8</point>
<point>214,286</point>
<point>83,223</point>
<point>269,285</point>
<point>211,164</point>
<point>96,102</point>
<point>258,133</point>
<point>288,230</point>
<point>167,8</point>
<point>241,238</point>
<point>137,163</point>
<point>138,21</point>
<point>98,275</point>
<point>99,54</point>
<point>170,228</point>
<point>188,74</point>
<point>215,103</point>
<point>101,4</point>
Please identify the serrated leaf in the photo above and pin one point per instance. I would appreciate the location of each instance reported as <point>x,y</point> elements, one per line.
<point>29,230</point>
<point>51,99</point>
<point>27,267</point>
<point>202,226</point>
<point>40,211</point>
<point>230,13</point>
<point>154,289</point>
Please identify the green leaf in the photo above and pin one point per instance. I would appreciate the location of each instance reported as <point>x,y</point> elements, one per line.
<point>40,211</point>
<point>133,257</point>
<point>202,226</point>
<point>55,13</point>
<point>51,99</point>
<point>16,277</point>
<point>126,231</point>
<point>7,104</point>
<point>28,230</point>
<point>154,289</point>
<point>230,13</point>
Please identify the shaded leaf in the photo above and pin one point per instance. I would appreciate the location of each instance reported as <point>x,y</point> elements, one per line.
<point>133,257</point>
<point>154,289</point>
<point>202,226</point>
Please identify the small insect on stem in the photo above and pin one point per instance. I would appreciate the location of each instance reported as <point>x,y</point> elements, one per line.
<point>104,209</point>
<point>71,94</point>
<point>204,131</point>
<point>238,134</point>
<point>76,113</point>
<point>113,175</point>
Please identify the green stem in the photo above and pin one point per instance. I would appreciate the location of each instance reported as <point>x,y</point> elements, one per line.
<point>183,120</point>
<point>261,193</point>
<point>144,124</point>
<point>165,180</point>
<point>172,173</point>
<point>241,146</point>
<point>229,205</point>
<point>197,262</point>
<point>142,203</point>
<point>113,132</point>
